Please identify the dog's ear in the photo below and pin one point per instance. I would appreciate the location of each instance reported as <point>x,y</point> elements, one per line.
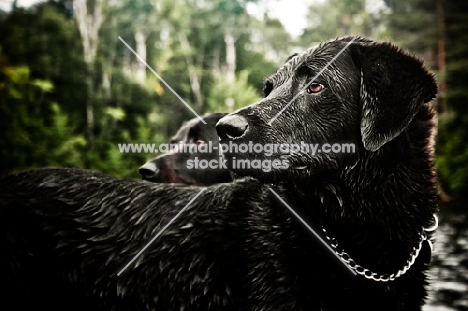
<point>394,87</point>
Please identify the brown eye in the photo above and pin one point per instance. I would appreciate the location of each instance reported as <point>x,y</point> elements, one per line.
<point>314,88</point>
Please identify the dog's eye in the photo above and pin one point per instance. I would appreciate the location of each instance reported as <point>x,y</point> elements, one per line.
<point>314,88</point>
<point>267,88</point>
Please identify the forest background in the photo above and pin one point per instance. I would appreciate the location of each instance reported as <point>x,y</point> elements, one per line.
<point>70,90</point>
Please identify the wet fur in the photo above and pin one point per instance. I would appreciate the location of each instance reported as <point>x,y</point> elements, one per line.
<point>65,233</point>
<point>376,201</point>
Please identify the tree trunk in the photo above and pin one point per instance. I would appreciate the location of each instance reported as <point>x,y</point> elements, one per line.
<point>230,41</point>
<point>89,109</point>
<point>195,83</point>
<point>88,26</point>
<point>140,39</point>
<point>441,64</point>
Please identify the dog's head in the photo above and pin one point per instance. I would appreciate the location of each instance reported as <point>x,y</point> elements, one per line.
<point>342,92</point>
<point>173,167</point>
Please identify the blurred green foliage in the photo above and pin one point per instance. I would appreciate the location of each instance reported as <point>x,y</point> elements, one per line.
<point>43,79</point>
<point>240,92</point>
<point>44,76</point>
<point>452,143</point>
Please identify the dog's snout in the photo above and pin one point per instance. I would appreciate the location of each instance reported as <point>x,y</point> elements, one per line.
<point>232,127</point>
<point>148,170</point>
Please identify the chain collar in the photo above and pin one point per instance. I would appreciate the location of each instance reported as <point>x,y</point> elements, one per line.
<point>383,277</point>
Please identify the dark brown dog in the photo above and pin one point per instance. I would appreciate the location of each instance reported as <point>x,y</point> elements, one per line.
<point>177,166</point>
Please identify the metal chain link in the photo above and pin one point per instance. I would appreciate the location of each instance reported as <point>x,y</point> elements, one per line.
<point>376,276</point>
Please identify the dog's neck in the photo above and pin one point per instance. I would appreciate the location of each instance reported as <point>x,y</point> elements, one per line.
<point>399,205</point>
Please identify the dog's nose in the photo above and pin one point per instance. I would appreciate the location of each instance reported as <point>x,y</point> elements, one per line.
<point>148,170</point>
<point>232,127</point>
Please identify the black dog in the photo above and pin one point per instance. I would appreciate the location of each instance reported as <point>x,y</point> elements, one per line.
<point>374,203</point>
<point>179,167</point>
<point>66,234</point>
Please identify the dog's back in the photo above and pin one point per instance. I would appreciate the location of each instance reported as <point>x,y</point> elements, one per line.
<point>66,233</point>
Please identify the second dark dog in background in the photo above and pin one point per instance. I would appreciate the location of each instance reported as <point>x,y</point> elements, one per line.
<point>172,167</point>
